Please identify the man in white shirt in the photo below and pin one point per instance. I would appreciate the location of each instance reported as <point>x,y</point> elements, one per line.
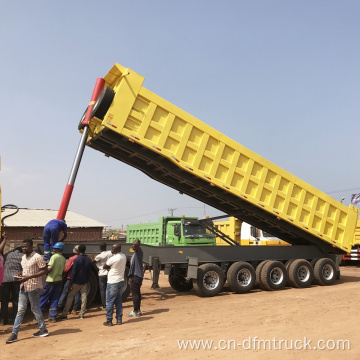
<point>116,265</point>
<point>100,262</point>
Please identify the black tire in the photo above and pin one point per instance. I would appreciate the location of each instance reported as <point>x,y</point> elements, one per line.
<point>179,282</point>
<point>273,276</point>
<point>301,273</point>
<point>126,292</point>
<point>103,103</point>
<point>81,126</point>
<point>241,277</point>
<point>287,265</point>
<point>258,274</point>
<point>325,272</point>
<point>91,288</point>
<point>313,262</point>
<point>210,280</point>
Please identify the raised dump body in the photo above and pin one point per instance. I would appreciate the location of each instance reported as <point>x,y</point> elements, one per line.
<point>143,130</point>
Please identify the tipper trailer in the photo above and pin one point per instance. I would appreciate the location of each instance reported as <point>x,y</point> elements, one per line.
<point>134,125</point>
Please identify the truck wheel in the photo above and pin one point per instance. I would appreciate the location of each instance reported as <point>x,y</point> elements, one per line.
<point>126,292</point>
<point>180,283</point>
<point>91,288</point>
<point>287,265</point>
<point>241,277</point>
<point>273,275</point>
<point>325,272</point>
<point>210,280</point>
<point>103,103</point>
<point>301,273</point>
<point>258,274</point>
<point>313,262</point>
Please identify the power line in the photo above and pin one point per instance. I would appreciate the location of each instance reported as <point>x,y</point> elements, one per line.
<point>345,190</point>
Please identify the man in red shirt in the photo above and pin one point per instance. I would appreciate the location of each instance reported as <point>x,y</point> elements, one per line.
<point>67,270</point>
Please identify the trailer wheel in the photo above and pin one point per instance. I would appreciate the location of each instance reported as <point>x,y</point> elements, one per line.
<point>180,283</point>
<point>103,103</point>
<point>325,272</point>
<point>287,265</point>
<point>210,280</point>
<point>241,277</point>
<point>273,275</point>
<point>301,273</point>
<point>258,274</point>
<point>126,292</point>
<point>313,262</point>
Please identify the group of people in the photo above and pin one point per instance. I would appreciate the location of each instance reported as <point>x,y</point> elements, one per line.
<point>23,271</point>
<point>112,266</point>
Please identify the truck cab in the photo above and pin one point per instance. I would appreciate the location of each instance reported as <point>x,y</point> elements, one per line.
<point>171,230</point>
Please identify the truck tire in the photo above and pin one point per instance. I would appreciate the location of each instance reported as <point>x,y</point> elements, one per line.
<point>91,288</point>
<point>126,292</point>
<point>301,273</point>
<point>273,276</point>
<point>325,272</point>
<point>258,274</point>
<point>287,265</point>
<point>210,280</point>
<point>313,262</point>
<point>241,277</point>
<point>103,103</point>
<point>180,283</point>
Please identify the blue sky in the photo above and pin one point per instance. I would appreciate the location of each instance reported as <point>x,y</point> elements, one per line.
<point>279,77</point>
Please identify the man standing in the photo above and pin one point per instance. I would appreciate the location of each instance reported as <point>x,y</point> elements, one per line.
<point>115,285</point>
<point>52,288</point>
<point>103,273</point>
<point>33,268</point>
<point>80,274</point>
<point>51,235</point>
<point>67,270</point>
<point>12,266</point>
<point>136,274</point>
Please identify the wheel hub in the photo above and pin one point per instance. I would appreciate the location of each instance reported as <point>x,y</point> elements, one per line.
<point>328,272</point>
<point>303,273</point>
<point>276,276</point>
<point>211,280</point>
<point>244,277</point>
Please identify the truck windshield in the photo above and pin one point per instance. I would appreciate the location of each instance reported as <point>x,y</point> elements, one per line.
<point>192,231</point>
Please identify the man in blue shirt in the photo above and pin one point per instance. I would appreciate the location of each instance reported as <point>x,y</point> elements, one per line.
<point>80,274</point>
<point>51,235</point>
<point>136,274</point>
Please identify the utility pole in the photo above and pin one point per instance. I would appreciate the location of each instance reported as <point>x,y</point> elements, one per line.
<point>171,211</point>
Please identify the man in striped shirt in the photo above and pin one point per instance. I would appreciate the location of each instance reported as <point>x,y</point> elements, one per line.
<point>34,267</point>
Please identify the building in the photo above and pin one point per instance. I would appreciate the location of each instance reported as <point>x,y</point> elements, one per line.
<point>29,223</point>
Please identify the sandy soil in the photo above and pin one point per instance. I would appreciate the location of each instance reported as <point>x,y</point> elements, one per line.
<point>317,313</point>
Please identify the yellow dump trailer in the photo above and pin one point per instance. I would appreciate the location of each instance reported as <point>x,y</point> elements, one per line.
<point>142,129</point>
<point>354,254</point>
<point>136,126</point>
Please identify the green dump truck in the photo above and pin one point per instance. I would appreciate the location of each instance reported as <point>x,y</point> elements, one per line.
<point>171,230</point>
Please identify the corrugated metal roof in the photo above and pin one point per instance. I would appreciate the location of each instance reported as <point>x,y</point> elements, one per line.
<point>40,217</point>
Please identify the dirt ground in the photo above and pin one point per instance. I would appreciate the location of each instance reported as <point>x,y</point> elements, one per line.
<point>318,313</point>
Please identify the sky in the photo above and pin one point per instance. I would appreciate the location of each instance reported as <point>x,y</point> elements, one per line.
<point>280,77</point>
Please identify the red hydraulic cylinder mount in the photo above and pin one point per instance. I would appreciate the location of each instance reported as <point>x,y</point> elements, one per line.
<point>99,85</point>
